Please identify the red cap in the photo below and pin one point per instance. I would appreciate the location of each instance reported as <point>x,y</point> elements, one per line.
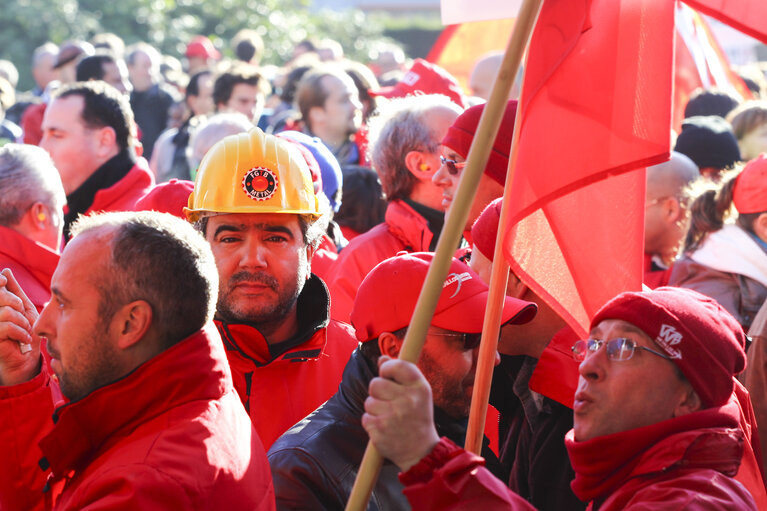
<point>461,133</point>
<point>750,192</point>
<point>386,299</point>
<point>485,228</point>
<point>701,337</point>
<point>170,197</point>
<point>425,78</point>
<point>201,46</point>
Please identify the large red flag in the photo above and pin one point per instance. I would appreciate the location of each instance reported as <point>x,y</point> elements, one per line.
<point>595,104</point>
<point>748,16</point>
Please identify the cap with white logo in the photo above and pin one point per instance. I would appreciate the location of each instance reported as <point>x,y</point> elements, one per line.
<point>386,298</point>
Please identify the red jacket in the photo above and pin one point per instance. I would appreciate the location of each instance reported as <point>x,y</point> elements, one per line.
<point>682,463</point>
<point>403,229</point>
<point>123,195</point>
<point>169,435</point>
<point>32,264</point>
<point>280,390</point>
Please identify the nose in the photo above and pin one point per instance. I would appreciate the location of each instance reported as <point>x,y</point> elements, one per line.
<point>43,327</point>
<point>253,254</point>
<point>593,366</point>
<point>441,178</point>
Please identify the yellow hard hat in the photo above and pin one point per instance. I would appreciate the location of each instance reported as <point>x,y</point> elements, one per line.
<point>252,173</point>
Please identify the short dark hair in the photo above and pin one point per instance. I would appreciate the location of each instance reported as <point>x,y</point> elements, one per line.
<point>311,92</point>
<point>161,259</point>
<point>104,106</point>
<point>92,67</point>
<point>710,102</point>
<point>193,87</point>
<point>225,82</point>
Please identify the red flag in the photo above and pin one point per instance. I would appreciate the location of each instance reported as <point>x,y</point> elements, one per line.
<point>699,62</point>
<point>596,103</point>
<point>459,46</point>
<point>748,16</point>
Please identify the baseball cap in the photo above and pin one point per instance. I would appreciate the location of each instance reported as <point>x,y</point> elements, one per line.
<point>201,46</point>
<point>387,297</point>
<point>750,192</point>
<point>170,197</point>
<point>425,78</point>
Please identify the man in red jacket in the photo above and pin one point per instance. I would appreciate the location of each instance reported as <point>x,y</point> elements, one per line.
<point>152,419</point>
<point>31,218</point>
<point>254,202</point>
<point>405,144</point>
<point>656,418</point>
<point>89,131</point>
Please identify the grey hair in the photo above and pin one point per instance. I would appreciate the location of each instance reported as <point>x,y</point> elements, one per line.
<point>161,259</point>
<point>398,129</point>
<point>28,176</point>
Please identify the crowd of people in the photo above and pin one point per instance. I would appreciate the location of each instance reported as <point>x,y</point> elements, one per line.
<point>209,270</point>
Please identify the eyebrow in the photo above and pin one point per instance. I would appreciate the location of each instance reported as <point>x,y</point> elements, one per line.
<point>258,227</point>
<point>58,294</point>
<point>627,327</point>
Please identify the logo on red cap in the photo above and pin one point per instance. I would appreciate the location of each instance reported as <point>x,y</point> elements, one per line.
<point>667,338</point>
<point>259,183</point>
<point>456,277</point>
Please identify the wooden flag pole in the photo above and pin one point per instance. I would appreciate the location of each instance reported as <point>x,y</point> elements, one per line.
<point>455,221</point>
<point>499,277</point>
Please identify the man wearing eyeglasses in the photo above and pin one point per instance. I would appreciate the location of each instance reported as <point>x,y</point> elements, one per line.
<point>657,423</point>
<point>405,148</point>
<point>455,150</point>
<point>314,464</point>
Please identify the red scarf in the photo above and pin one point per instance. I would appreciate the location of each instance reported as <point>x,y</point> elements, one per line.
<point>604,463</point>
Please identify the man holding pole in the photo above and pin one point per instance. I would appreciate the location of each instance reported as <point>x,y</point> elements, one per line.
<point>656,421</point>
<point>315,463</point>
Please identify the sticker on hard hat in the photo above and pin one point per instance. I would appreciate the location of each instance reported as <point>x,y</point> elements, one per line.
<point>259,183</point>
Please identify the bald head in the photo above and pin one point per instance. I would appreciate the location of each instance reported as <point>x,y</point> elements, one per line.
<point>670,177</point>
<point>483,75</point>
<point>665,209</point>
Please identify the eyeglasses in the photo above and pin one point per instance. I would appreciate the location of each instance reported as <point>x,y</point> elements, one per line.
<point>452,166</point>
<point>619,349</point>
<point>470,341</point>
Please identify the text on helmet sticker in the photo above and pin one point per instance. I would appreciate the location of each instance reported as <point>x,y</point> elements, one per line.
<point>259,183</point>
<point>667,339</point>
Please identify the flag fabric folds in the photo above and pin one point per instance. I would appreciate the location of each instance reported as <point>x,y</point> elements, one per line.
<point>595,105</point>
<point>748,16</point>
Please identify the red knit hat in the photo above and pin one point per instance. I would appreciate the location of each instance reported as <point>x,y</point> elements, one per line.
<point>386,298</point>
<point>461,133</point>
<point>425,78</point>
<point>750,192</point>
<point>485,228</point>
<point>702,339</point>
<point>171,197</point>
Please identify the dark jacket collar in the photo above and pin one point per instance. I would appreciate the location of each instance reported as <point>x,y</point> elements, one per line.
<point>108,174</point>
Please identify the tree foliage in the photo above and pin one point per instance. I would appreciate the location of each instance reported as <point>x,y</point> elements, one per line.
<point>170,24</point>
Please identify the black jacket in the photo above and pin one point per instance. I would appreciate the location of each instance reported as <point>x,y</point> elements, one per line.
<point>314,464</point>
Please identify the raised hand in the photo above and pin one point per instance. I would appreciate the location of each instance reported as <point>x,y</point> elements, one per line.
<point>19,348</point>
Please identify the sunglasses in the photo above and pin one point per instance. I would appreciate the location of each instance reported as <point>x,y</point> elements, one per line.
<point>470,341</point>
<point>453,167</point>
<point>619,350</point>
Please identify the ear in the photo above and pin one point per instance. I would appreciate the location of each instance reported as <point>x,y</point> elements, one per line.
<point>310,251</point>
<point>131,323</point>
<point>316,115</point>
<point>760,227</point>
<point>672,210</point>
<point>389,344</point>
<point>40,216</point>
<point>107,138</point>
<point>515,287</point>
<point>418,165</point>
<point>688,403</point>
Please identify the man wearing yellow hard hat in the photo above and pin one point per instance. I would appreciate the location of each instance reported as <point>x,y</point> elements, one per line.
<point>254,202</point>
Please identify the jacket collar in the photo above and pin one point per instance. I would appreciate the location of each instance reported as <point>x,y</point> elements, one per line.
<point>709,438</point>
<point>313,313</point>
<point>195,368</point>
<point>408,226</point>
<point>38,259</point>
